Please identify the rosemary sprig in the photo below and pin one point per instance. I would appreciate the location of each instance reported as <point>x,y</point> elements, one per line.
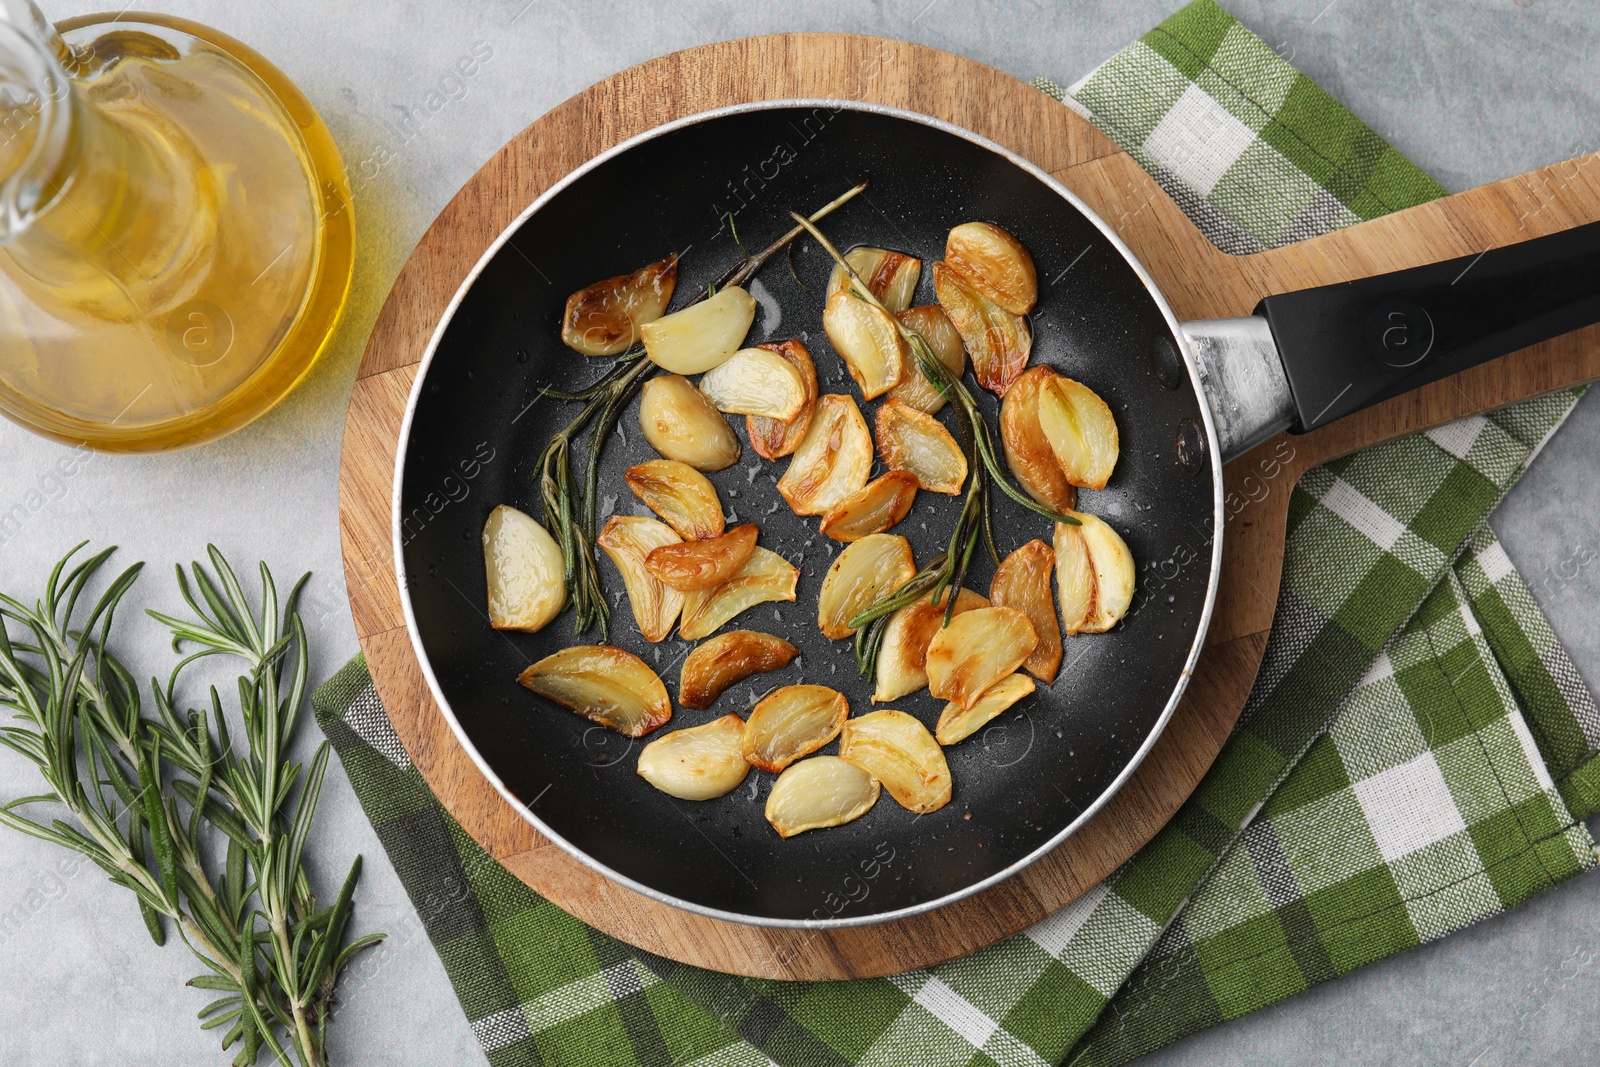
<point>569,515</point>
<point>561,518</point>
<point>948,570</point>
<point>126,781</point>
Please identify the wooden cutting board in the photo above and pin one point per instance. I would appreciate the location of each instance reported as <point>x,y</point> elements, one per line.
<point>1199,281</point>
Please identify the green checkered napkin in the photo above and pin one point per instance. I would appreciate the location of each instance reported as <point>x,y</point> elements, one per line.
<point>1415,755</point>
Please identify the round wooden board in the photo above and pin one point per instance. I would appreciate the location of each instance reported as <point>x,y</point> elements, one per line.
<point>1199,282</point>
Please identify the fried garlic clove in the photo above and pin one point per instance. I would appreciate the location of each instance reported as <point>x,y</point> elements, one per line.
<point>765,576</point>
<point>603,684</point>
<point>1113,573</point>
<point>699,763</point>
<point>869,342</point>
<point>866,570</point>
<point>681,424</point>
<point>930,323</point>
<point>957,723</point>
<point>726,659</point>
<point>890,276</point>
<point>756,381</point>
<point>995,264</point>
<point>700,336</point>
<point>1075,584</point>
<point>998,341</point>
<point>903,655</point>
<point>1081,430</point>
<point>772,438</point>
<point>629,540</point>
<point>681,495</point>
<point>694,565</point>
<point>525,571</point>
<point>897,750</point>
<point>909,440</point>
<point>877,506</point>
<point>792,722</point>
<point>604,319</point>
<point>1028,453</point>
<point>832,462</point>
<point>1023,581</point>
<point>975,651</point>
<point>819,792</point>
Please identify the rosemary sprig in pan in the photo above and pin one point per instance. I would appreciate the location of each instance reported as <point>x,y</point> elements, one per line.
<point>946,571</point>
<point>569,514</point>
<point>140,792</point>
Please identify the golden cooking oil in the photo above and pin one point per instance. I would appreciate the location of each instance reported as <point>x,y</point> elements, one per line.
<point>175,233</point>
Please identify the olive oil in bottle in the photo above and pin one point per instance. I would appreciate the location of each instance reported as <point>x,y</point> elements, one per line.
<point>175,231</point>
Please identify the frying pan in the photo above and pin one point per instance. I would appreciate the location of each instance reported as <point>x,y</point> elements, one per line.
<point>1187,396</point>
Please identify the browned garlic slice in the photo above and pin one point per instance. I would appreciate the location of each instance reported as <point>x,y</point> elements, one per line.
<point>680,423</point>
<point>902,658</point>
<point>756,381</point>
<point>1023,581</point>
<point>603,684</point>
<point>958,724</point>
<point>975,651</point>
<point>1094,575</point>
<point>698,763</point>
<point>866,570</point>
<point>765,576</point>
<point>525,571</point>
<point>869,342</point>
<point>1074,578</point>
<point>1028,453</point>
<point>726,659</point>
<point>930,323</point>
<point>832,462</point>
<point>997,341</point>
<point>771,438</point>
<point>1113,572</point>
<point>793,721</point>
<point>1081,431</point>
<point>694,565</point>
<point>604,319</point>
<point>819,792</point>
<point>629,540</point>
<point>995,264</point>
<point>898,751</point>
<point>910,441</point>
<point>877,506</point>
<point>700,336</point>
<point>681,495</point>
<point>890,276</point>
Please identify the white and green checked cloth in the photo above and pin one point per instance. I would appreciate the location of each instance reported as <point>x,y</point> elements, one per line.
<point>1415,756</point>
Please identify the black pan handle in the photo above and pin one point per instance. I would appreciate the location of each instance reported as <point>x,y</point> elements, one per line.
<point>1349,346</point>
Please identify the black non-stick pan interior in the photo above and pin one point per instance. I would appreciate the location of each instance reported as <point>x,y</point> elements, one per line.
<point>479,424</point>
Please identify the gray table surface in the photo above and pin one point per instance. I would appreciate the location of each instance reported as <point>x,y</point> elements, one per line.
<point>1473,90</point>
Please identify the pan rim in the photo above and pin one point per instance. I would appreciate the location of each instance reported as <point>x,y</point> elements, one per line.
<point>1179,686</point>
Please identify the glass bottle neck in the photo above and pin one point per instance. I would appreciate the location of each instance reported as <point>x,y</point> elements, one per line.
<point>97,207</point>
<point>36,124</point>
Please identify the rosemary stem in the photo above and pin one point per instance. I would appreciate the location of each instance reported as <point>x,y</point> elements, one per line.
<point>309,1050</point>
<point>168,906</point>
<point>198,940</point>
<point>744,271</point>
